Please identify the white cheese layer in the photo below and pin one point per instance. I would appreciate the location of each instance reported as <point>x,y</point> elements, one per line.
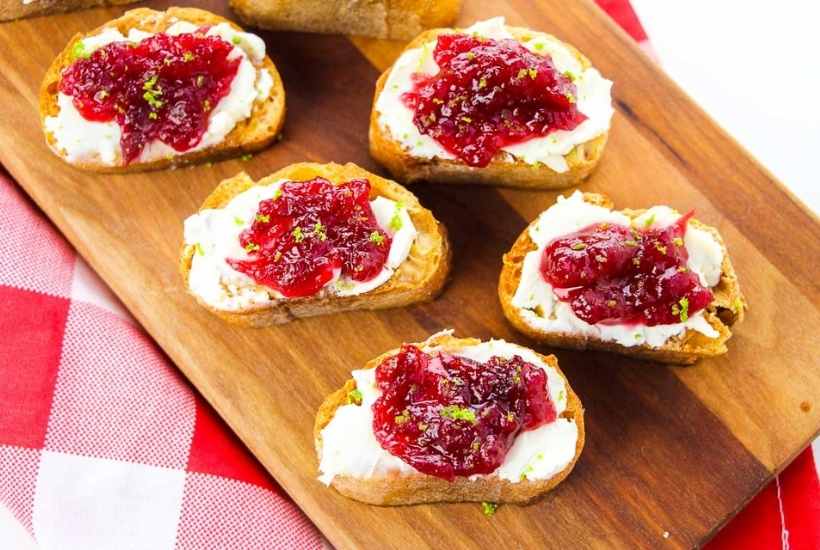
<point>215,235</point>
<point>350,448</point>
<point>540,308</point>
<point>594,101</point>
<point>85,141</point>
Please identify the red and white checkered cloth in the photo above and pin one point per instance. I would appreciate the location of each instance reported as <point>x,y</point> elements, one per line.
<point>104,445</point>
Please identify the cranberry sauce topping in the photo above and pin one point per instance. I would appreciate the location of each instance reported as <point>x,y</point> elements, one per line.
<point>308,230</point>
<point>488,94</point>
<point>162,88</point>
<point>451,416</point>
<point>615,274</point>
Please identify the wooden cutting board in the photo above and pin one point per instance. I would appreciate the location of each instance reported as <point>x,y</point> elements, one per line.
<point>672,453</point>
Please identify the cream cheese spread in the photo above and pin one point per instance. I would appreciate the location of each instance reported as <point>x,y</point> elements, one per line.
<point>86,141</point>
<point>594,101</point>
<point>541,309</point>
<point>350,448</point>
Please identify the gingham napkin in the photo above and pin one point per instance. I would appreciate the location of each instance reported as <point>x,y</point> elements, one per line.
<point>103,445</point>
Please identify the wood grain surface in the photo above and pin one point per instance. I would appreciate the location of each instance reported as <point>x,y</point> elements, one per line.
<point>675,450</point>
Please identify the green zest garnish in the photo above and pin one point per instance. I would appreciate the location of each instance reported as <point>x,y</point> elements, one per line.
<point>251,247</point>
<point>532,72</point>
<point>152,92</point>
<point>454,412</point>
<point>277,193</point>
<point>402,418</point>
<point>578,246</point>
<point>660,248</point>
<point>187,56</point>
<point>489,508</point>
<point>354,396</point>
<point>470,56</point>
<point>298,236</point>
<point>79,51</point>
<point>631,242</point>
<point>570,75</point>
<point>737,305</point>
<point>538,46</point>
<point>561,396</point>
<point>238,221</point>
<point>376,238</point>
<point>236,39</point>
<point>396,222</point>
<point>677,241</point>
<point>198,249</point>
<point>684,308</point>
<point>570,98</point>
<point>466,119</point>
<point>246,157</point>
<point>482,83</point>
<point>264,218</point>
<point>649,221</point>
<point>527,470</point>
<point>320,231</point>
<point>153,115</point>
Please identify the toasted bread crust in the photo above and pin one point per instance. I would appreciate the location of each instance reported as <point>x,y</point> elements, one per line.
<point>419,488</point>
<point>727,307</point>
<point>420,277</point>
<point>394,19</point>
<point>16,9</point>
<point>248,136</point>
<point>406,168</point>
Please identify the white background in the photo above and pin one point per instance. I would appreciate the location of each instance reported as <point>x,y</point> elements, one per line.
<point>754,66</point>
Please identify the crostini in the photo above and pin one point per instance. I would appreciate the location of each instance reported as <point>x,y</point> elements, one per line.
<point>490,104</point>
<point>376,18</point>
<point>154,89</point>
<point>652,283</point>
<point>311,239</point>
<point>17,9</point>
<point>450,419</point>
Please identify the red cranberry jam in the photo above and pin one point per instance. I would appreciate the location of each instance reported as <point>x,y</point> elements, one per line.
<point>614,274</point>
<point>451,416</point>
<point>309,230</point>
<point>162,88</point>
<point>488,94</point>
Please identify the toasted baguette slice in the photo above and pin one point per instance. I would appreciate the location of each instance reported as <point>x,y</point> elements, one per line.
<point>416,488</point>
<point>727,308</point>
<point>376,18</point>
<point>250,135</point>
<point>419,278</point>
<point>406,168</point>
<point>17,9</point>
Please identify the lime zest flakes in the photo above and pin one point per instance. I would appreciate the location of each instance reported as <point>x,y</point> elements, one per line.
<point>320,231</point>
<point>454,412</point>
<point>532,72</point>
<point>376,238</point>
<point>152,92</point>
<point>489,508</point>
<point>263,218</point>
<point>578,245</point>
<point>737,305</point>
<point>522,73</point>
<point>238,221</point>
<point>402,418</point>
<point>677,241</point>
<point>277,193</point>
<point>631,242</point>
<point>660,248</point>
<point>649,221</point>
<point>251,247</point>
<point>571,75</point>
<point>396,222</point>
<point>198,249</point>
<point>237,40</point>
<point>684,308</point>
<point>470,56</point>
<point>187,57</point>
<point>562,395</point>
<point>528,469</point>
<point>570,97</point>
<point>466,119</point>
<point>153,115</point>
<point>246,157</point>
<point>78,51</point>
<point>481,84</point>
<point>354,397</point>
<point>298,235</point>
